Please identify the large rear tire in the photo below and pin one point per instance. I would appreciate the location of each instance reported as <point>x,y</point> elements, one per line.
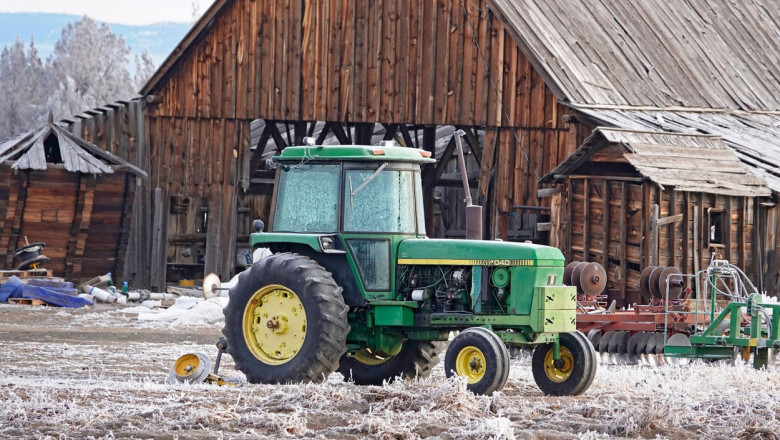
<point>480,356</point>
<point>416,359</point>
<point>576,372</point>
<point>286,321</point>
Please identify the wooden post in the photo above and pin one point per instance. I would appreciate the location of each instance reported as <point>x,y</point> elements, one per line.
<point>605,217</point>
<point>686,254</point>
<point>429,178</point>
<point>159,242</point>
<point>672,228</point>
<point>654,235</point>
<point>623,238</point>
<point>586,221</point>
<point>696,239</point>
<point>569,219</point>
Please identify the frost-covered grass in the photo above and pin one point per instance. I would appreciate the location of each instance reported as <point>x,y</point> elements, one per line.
<point>117,389</point>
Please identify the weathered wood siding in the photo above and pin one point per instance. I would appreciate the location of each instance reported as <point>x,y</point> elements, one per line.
<point>81,218</point>
<point>611,224</point>
<point>400,61</point>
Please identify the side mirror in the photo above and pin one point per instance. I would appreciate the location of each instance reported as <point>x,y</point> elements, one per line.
<point>258,225</point>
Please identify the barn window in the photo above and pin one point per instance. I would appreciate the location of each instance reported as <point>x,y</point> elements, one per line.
<point>716,226</point>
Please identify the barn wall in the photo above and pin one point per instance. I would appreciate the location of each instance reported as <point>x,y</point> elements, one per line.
<point>611,222</point>
<point>396,61</point>
<point>79,217</point>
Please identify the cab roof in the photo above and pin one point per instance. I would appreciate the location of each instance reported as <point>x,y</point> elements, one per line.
<point>371,153</point>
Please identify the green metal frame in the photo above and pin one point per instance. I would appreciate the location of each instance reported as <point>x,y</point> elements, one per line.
<point>708,345</point>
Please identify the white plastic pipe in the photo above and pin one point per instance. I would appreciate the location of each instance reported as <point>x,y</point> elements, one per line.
<point>100,294</point>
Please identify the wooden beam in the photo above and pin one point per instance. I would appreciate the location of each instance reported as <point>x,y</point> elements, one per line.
<point>586,221</point>
<point>338,130</point>
<point>605,221</point>
<point>406,137</point>
<point>663,221</point>
<point>429,177</point>
<point>548,192</point>
<point>390,130</point>
<point>673,226</point>
<point>257,155</point>
<point>159,249</point>
<point>727,224</point>
<point>654,234</point>
<point>441,166</point>
<point>276,135</point>
<point>623,239</point>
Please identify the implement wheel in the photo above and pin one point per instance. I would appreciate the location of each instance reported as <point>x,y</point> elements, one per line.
<point>416,359</point>
<point>575,371</point>
<point>286,321</point>
<point>479,356</point>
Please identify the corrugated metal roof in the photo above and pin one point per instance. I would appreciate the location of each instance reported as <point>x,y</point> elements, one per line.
<point>754,137</point>
<point>721,54</point>
<point>695,163</point>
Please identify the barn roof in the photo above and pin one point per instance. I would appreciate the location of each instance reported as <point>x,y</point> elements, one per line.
<point>686,66</point>
<point>686,53</point>
<point>28,152</point>
<point>694,163</point>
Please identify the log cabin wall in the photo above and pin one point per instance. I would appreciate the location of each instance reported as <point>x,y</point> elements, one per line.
<point>421,64</point>
<point>79,217</point>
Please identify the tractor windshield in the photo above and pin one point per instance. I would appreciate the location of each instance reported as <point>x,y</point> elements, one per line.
<point>379,200</point>
<point>307,199</point>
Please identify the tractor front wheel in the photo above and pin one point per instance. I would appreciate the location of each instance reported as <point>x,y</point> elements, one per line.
<point>286,321</point>
<point>416,359</point>
<point>480,356</point>
<point>573,373</point>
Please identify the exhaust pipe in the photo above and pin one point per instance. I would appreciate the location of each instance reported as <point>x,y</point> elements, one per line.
<point>473,212</point>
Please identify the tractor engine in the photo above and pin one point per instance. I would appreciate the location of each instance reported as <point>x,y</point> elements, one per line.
<point>438,288</point>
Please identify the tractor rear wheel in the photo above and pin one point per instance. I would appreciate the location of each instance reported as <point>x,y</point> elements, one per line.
<point>286,321</point>
<point>570,376</point>
<point>416,359</point>
<point>480,356</point>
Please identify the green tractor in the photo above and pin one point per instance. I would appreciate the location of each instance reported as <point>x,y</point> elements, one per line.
<point>353,285</point>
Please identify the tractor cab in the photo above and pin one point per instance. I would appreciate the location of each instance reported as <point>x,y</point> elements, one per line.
<point>359,202</point>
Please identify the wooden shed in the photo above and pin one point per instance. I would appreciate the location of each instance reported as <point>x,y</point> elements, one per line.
<point>58,189</point>
<point>635,199</point>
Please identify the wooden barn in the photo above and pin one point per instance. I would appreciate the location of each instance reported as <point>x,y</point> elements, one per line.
<point>71,195</point>
<point>662,198</point>
<point>528,80</point>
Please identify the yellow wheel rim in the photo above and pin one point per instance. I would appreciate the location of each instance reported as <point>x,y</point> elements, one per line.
<point>559,375</point>
<point>470,363</point>
<point>369,357</point>
<point>274,324</point>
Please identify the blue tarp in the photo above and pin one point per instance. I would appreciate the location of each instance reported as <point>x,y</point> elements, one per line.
<point>15,288</point>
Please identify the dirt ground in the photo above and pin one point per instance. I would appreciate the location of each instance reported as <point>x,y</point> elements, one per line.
<point>97,373</point>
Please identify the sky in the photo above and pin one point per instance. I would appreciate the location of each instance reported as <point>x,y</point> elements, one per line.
<point>131,12</point>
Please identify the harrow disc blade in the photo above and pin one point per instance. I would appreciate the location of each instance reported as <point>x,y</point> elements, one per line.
<point>641,343</point>
<point>631,354</point>
<point>604,342</point>
<point>675,283</point>
<point>593,279</point>
<point>678,340</point>
<point>655,282</point>
<point>568,271</point>
<point>644,282</point>
<point>594,336</point>
<point>575,275</point>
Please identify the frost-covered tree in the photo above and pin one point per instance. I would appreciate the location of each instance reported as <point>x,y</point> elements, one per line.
<point>144,69</point>
<point>22,89</point>
<point>88,68</point>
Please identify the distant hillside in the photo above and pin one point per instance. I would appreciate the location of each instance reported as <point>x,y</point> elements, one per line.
<point>159,38</point>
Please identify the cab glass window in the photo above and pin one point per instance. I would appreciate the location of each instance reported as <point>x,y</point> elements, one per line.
<point>379,200</point>
<point>307,199</point>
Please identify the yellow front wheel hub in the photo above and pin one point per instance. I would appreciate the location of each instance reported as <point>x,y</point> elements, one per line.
<point>274,324</point>
<point>554,373</point>
<point>471,364</point>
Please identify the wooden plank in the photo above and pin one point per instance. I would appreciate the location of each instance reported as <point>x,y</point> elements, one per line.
<point>160,240</point>
<point>663,221</point>
<point>728,224</point>
<point>686,238</point>
<point>606,224</point>
<point>654,235</point>
<point>587,219</point>
<point>623,255</point>
<point>672,239</point>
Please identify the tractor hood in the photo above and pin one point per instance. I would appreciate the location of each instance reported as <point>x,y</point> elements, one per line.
<point>477,253</point>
